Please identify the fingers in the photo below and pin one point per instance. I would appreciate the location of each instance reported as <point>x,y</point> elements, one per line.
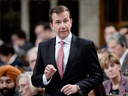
<point>49,71</point>
<point>69,89</point>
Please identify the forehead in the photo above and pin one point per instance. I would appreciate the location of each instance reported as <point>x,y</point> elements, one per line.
<point>113,42</point>
<point>4,78</point>
<point>62,15</point>
<point>23,80</point>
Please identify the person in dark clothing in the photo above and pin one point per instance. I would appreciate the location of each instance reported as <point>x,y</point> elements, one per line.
<point>8,56</point>
<point>8,75</point>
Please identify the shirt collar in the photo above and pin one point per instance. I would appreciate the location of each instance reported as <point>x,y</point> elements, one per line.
<point>123,56</point>
<point>12,59</point>
<point>66,40</point>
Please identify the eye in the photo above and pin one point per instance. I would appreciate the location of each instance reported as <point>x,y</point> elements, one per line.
<point>9,81</point>
<point>112,65</point>
<point>57,22</point>
<point>65,20</point>
<point>106,68</point>
<point>1,82</point>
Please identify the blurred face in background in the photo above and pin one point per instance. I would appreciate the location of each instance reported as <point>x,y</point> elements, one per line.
<point>5,58</point>
<point>7,86</point>
<point>24,87</point>
<point>40,32</point>
<point>123,30</point>
<point>112,70</point>
<point>16,40</point>
<point>116,48</point>
<point>108,31</point>
<point>32,60</point>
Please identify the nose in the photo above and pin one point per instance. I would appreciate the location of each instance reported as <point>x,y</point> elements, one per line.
<point>110,69</point>
<point>62,25</point>
<point>20,90</point>
<point>4,85</point>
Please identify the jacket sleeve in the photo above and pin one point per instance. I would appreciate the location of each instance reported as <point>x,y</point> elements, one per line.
<point>95,74</point>
<point>37,77</point>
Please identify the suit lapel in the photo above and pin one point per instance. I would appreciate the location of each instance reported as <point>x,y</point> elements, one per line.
<point>72,54</point>
<point>108,87</point>
<point>124,62</point>
<point>51,53</point>
<point>122,86</point>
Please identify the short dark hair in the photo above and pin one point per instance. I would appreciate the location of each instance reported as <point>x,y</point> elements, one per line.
<point>112,26</point>
<point>6,48</point>
<point>40,23</point>
<point>58,9</point>
<point>20,33</point>
<point>124,27</point>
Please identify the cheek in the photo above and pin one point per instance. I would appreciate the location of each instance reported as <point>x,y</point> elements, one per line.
<point>4,59</point>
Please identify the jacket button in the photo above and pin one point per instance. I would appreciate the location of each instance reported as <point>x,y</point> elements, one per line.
<point>58,91</point>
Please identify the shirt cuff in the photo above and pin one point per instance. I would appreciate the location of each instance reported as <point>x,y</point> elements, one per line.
<point>45,82</point>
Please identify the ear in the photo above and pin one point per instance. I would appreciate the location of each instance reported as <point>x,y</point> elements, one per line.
<point>51,25</point>
<point>124,45</point>
<point>119,66</point>
<point>71,22</point>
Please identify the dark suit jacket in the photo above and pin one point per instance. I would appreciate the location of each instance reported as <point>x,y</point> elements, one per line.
<point>81,62</point>
<point>18,62</point>
<point>123,85</point>
<point>125,64</point>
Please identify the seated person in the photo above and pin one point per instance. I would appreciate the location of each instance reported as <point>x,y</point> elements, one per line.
<point>97,91</point>
<point>8,56</point>
<point>117,83</point>
<point>8,75</point>
<point>25,86</point>
<point>31,57</point>
<point>101,53</point>
<point>20,44</point>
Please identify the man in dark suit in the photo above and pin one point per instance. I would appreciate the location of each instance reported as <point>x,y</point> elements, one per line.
<point>80,70</point>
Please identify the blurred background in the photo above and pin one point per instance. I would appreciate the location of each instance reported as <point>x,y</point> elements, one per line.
<point>89,16</point>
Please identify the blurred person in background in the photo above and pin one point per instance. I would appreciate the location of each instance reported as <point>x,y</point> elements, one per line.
<point>117,45</point>
<point>43,32</point>
<point>124,30</point>
<point>8,75</point>
<point>117,83</point>
<point>25,86</point>
<point>31,58</point>
<point>9,57</point>
<point>101,53</point>
<point>20,44</point>
<point>108,30</point>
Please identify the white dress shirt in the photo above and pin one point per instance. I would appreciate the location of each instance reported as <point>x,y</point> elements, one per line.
<point>66,48</point>
<point>123,57</point>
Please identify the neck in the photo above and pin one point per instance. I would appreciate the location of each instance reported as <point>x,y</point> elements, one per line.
<point>116,82</point>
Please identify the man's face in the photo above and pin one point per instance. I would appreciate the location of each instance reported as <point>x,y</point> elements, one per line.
<point>24,87</point>
<point>4,58</point>
<point>16,40</point>
<point>108,31</point>
<point>115,48</point>
<point>7,86</point>
<point>32,60</point>
<point>123,30</point>
<point>40,32</point>
<point>61,24</point>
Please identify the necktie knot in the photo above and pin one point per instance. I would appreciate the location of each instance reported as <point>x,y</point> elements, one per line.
<point>61,42</point>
